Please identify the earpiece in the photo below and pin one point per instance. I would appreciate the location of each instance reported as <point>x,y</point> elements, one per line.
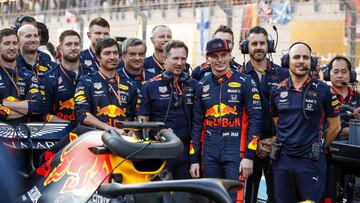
<point>328,67</point>
<point>285,59</point>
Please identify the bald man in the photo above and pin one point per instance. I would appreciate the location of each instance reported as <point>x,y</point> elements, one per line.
<point>29,57</point>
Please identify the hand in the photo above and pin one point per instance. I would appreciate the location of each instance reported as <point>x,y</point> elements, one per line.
<point>195,170</point>
<point>264,148</point>
<point>120,131</point>
<point>357,113</point>
<point>246,167</point>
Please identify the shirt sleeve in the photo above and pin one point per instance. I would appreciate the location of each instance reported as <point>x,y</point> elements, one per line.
<point>33,95</point>
<point>82,99</point>
<point>197,126</point>
<point>254,112</point>
<point>144,100</point>
<point>47,93</point>
<point>331,103</point>
<point>273,108</point>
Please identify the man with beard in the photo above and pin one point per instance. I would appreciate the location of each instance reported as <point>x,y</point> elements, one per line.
<point>19,94</point>
<point>299,106</point>
<point>99,28</point>
<point>30,58</point>
<point>169,98</point>
<point>266,75</point>
<point>222,32</point>
<point>58,85</point>
<point>228,110</point>
<point>134,51</point>
<point>104,98</point>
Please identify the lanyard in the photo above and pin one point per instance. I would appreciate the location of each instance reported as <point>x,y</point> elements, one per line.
<point>158,63</point>
<point>94,58</point>
<point>116,93</point>
<point>68,77</point>
<point>12,79</point>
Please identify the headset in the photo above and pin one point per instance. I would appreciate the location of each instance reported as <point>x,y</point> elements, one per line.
<point>328,67</point>
<point>20,19</point>
<point>285,59</point>
<point>244,44</point>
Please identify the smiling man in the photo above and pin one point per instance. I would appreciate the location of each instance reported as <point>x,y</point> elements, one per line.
<point>169,98</point>
<point>58,85</point>
<point>104,98</point>
<point>134,51</point>
<point>29,57</point>
<point>19,94</point>
<point>225,101</point>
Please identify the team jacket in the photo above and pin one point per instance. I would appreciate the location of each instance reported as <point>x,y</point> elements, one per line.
<point>57,88</point>
<point>159,98</point>
<point>43,64</point>
<point>27,90</point>
<point>204,70</point>
<point>274,74</point>
<point>156,67</point>
<point>137,80</point>
<point>222,105</point>
<point>93,95</point>
<point>294,131</point>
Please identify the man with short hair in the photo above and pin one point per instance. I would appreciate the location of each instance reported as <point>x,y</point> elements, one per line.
<point>104,98</point>
<point>99,28</point>
<point>169,98</point>
<point>23,20</point>
<point>299,106</point>
<point>222,32</point>
<point>29,57</point>
<point>58,85</point>
<point>134,51</point>
<point>19,94</point>
<point>266,75</point>
<point>160,35</point>
<point>228,110</point>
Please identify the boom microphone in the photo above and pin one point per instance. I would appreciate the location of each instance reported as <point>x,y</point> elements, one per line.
<point>344,83</point>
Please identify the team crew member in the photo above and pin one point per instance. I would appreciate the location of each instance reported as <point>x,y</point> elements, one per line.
<point>299,106</point>
<point>168,98</point>
<point>99,28</point>
<point>104,98</point>
<point>23,20</point>
<point>134,51</point>
<point>340,74</point>
<point>58,85</point>
<point>29,57</point>
<point>266,75</point>
<point>160,35</point>
<point>222,101</point>
<point>225,33</point>
<point>19,94</point>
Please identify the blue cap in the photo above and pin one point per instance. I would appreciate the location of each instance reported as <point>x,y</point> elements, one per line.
<point>216,45</point>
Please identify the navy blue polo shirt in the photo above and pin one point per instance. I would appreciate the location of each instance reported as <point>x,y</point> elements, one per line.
<point>159,98</point>
<point>42,65</point>
<point>274,74</point>
<point>57,88</point>
<point>99,96</point>
<point>88,58</point>
<point>28,89</point>
<point>293,130</point>
<point>204,70</point>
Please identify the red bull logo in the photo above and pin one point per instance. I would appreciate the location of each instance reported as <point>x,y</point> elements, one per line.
<point>223,122</point>
<point>112,111</point>
<point>83,169</point>
<point>220,110</point>
<point>68,104</point>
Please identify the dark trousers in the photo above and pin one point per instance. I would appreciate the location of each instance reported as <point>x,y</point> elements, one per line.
<point>299,179</point>
<point>252,186</point>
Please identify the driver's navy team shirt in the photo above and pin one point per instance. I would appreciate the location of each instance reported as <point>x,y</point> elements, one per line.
<point>293,130</point>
